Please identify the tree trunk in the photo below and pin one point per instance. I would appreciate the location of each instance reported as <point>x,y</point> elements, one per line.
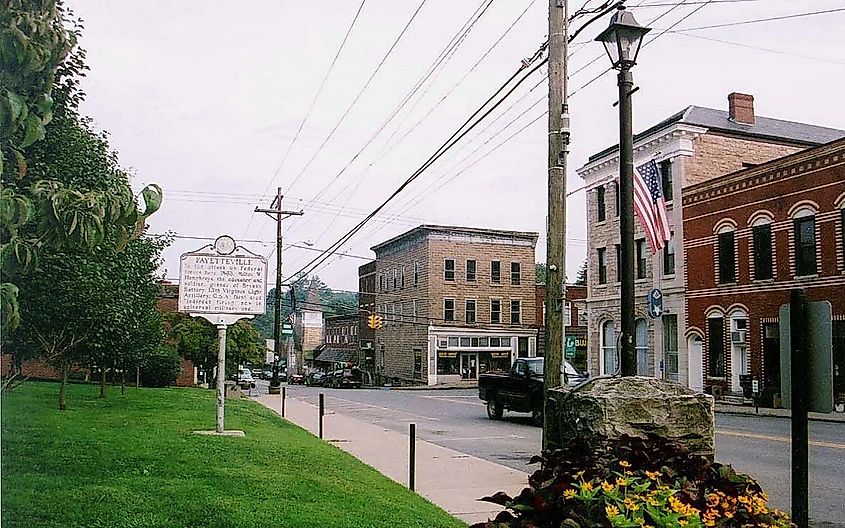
<point>63,388</point>
<point>103,380</point>
<point>114,373</point>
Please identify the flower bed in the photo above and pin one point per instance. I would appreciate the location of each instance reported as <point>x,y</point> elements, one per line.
<point>637,483</point>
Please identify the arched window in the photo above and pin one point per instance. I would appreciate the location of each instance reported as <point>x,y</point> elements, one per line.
<point>641,343</point>
<point>804,233</point>
<point>762,245</point>
<point>608,348</point>
<point>726,254</point>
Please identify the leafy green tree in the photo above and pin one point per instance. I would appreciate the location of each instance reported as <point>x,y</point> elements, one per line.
<point>581,280</point>
<point>540,273</point>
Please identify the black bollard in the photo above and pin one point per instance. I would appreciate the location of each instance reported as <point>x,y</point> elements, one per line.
<point>283,402</point>
<point>321,412</point>
<point>799,337</point>
<point>412,456</point>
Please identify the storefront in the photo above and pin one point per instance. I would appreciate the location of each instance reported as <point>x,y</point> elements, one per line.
<point>463,354</point>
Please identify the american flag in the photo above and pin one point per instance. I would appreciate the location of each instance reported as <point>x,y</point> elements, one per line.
<point>650,205</point>
<point>292,318</point>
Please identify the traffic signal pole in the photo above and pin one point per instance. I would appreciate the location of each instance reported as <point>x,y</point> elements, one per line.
<point>278,214</point>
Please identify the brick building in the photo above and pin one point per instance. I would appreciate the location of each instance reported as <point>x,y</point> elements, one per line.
<point>456,302</point>
<point>308,330</point>
<point>366,306</point>
<point>574,320</point>
<point>690,147</point>
<point>340,343</point>
<point>753,235</point>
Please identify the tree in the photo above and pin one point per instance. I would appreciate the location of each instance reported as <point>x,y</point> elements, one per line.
<point>581,280</point>
<point>540,273</point>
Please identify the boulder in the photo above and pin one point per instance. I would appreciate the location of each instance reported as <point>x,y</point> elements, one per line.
<point>603,409</point>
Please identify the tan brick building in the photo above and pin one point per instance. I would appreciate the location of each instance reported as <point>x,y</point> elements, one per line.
<point>690,147</point>
<point>456,302</point>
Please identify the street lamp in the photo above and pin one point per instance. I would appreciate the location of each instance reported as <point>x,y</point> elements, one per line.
<point>622,40</point>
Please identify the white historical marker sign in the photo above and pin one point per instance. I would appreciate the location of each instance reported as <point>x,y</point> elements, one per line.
<point>222,283</point>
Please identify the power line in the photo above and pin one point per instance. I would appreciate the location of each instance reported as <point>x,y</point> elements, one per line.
<point>758,48</point>
<point>311,106</point>
<point>358,96</point>
<point>756,21</point>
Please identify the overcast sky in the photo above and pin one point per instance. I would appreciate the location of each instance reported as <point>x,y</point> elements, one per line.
<point>205,97</point>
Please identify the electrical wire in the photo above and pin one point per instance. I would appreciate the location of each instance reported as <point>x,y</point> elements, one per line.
<point>756,21</point>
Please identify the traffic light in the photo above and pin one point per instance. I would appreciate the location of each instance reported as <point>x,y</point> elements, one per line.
<point>374,321</point>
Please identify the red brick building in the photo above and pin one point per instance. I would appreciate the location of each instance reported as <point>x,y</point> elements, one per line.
<point>574,321</point>
<point>749,237</point>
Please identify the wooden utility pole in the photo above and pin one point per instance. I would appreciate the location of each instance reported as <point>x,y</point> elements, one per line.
<point>556,228</point>
<point>278,214</point>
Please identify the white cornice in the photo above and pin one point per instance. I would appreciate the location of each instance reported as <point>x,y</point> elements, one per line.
<point>667,143</point>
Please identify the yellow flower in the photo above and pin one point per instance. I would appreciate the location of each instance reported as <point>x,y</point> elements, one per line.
<point>712,499</point>
<point>728,514</point>
<point>611,510</point>
<point>653,474</point>
<point>709,522</point>
<point>743,499</point>
<point>624,464</point>
<point>569,494</point>
<point>607,486</point>
<point>621,482</point>
<point>683,522</point>
<point>587,486</point>
<point>631,505</point>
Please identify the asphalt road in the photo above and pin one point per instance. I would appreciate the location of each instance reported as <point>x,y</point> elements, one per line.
<point>457,419</point>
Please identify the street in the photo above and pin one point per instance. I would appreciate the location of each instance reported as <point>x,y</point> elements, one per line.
<point>457,419</point>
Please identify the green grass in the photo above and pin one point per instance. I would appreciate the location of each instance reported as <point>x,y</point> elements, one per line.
<point>132,461</point>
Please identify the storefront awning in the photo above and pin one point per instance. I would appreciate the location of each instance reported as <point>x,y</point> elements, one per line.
<point>336,355</point>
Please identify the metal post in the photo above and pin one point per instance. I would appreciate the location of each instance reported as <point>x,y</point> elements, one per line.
<point>221,377</point>
<point>321,411</point>
<point>626,221</point>
<point>799,359</point>
<point>412,456</point>
<point>283,402</point>
<point>556,224</point>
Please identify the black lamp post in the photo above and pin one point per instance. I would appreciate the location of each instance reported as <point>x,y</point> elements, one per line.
<point>622,40</point>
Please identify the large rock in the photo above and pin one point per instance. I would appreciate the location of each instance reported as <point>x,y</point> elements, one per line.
<point>604,409</point>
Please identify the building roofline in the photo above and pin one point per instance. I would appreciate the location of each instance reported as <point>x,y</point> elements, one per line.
<point>433,228</point>
<point>763,168</point>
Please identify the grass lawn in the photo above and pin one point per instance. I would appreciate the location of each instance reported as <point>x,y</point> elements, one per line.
<point>132,462</point>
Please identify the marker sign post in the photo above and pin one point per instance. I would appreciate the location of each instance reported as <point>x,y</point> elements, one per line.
<point>222,283</point>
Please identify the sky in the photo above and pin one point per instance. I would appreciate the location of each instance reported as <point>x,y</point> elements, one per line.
<point>205,99</point>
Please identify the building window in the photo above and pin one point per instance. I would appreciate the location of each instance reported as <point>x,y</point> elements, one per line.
<point>669,256</point>
<point>805,246</point>
<point>448,309</point>
<point>641,344</point>
<point>716,347</point>
<point>727,264</point>
<point>416,273</point>
<point>470,271</point>
<point>608,348</point>
<point>617,198</point>
<point>515,273</point>
<point>619,263</point>
<point>495,272</point>
<point>469,311</point>
<point>522,347</point>
<point>602,265</point>
<point>567,314</point>
<point>402,278</point>
<point>641,258</point>
<point>417,363</point>
<point>516,311</point>
<point>495,311</point>
<point>666,179</point>
<point>762,237</point>
<point>600,206</point>
<point>670,345</point>
<point>393,278</point>
<point>381,283</point>
<point>449,270</point>
<point>414,309</point>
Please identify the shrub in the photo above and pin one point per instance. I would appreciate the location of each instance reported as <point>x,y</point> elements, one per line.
<point>160,368</point>
<point>636,483</point>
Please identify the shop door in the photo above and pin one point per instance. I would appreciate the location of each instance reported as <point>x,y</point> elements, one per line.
<point>469,366</point>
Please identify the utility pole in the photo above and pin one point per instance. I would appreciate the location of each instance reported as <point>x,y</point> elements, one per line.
<point>278,214</point>
<point>556,228</point>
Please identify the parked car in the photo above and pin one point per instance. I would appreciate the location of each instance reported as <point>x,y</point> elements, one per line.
<point>521,389</point>
<point>315,379</point>
<point>245,380</point>
<point>296,379</point>
<point>345,378</point>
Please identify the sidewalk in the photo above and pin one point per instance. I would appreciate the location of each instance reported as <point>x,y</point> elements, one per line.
<point>780,413</point>
<point>450,479</point>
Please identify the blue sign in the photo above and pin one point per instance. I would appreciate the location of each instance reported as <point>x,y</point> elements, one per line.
<point>655,303</point>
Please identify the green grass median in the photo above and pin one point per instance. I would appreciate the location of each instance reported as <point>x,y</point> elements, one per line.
<point>133,461</point>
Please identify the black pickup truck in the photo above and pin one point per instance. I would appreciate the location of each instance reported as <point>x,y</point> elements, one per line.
<point>521,389</point>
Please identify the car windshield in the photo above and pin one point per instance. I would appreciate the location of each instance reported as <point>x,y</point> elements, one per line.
<point>536,367</point>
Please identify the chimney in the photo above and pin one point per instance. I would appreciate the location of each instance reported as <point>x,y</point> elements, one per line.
<point>741,108</point>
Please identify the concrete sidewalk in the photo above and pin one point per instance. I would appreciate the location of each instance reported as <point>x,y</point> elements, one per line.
<point>450,479</point>
<point>835,417</point>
